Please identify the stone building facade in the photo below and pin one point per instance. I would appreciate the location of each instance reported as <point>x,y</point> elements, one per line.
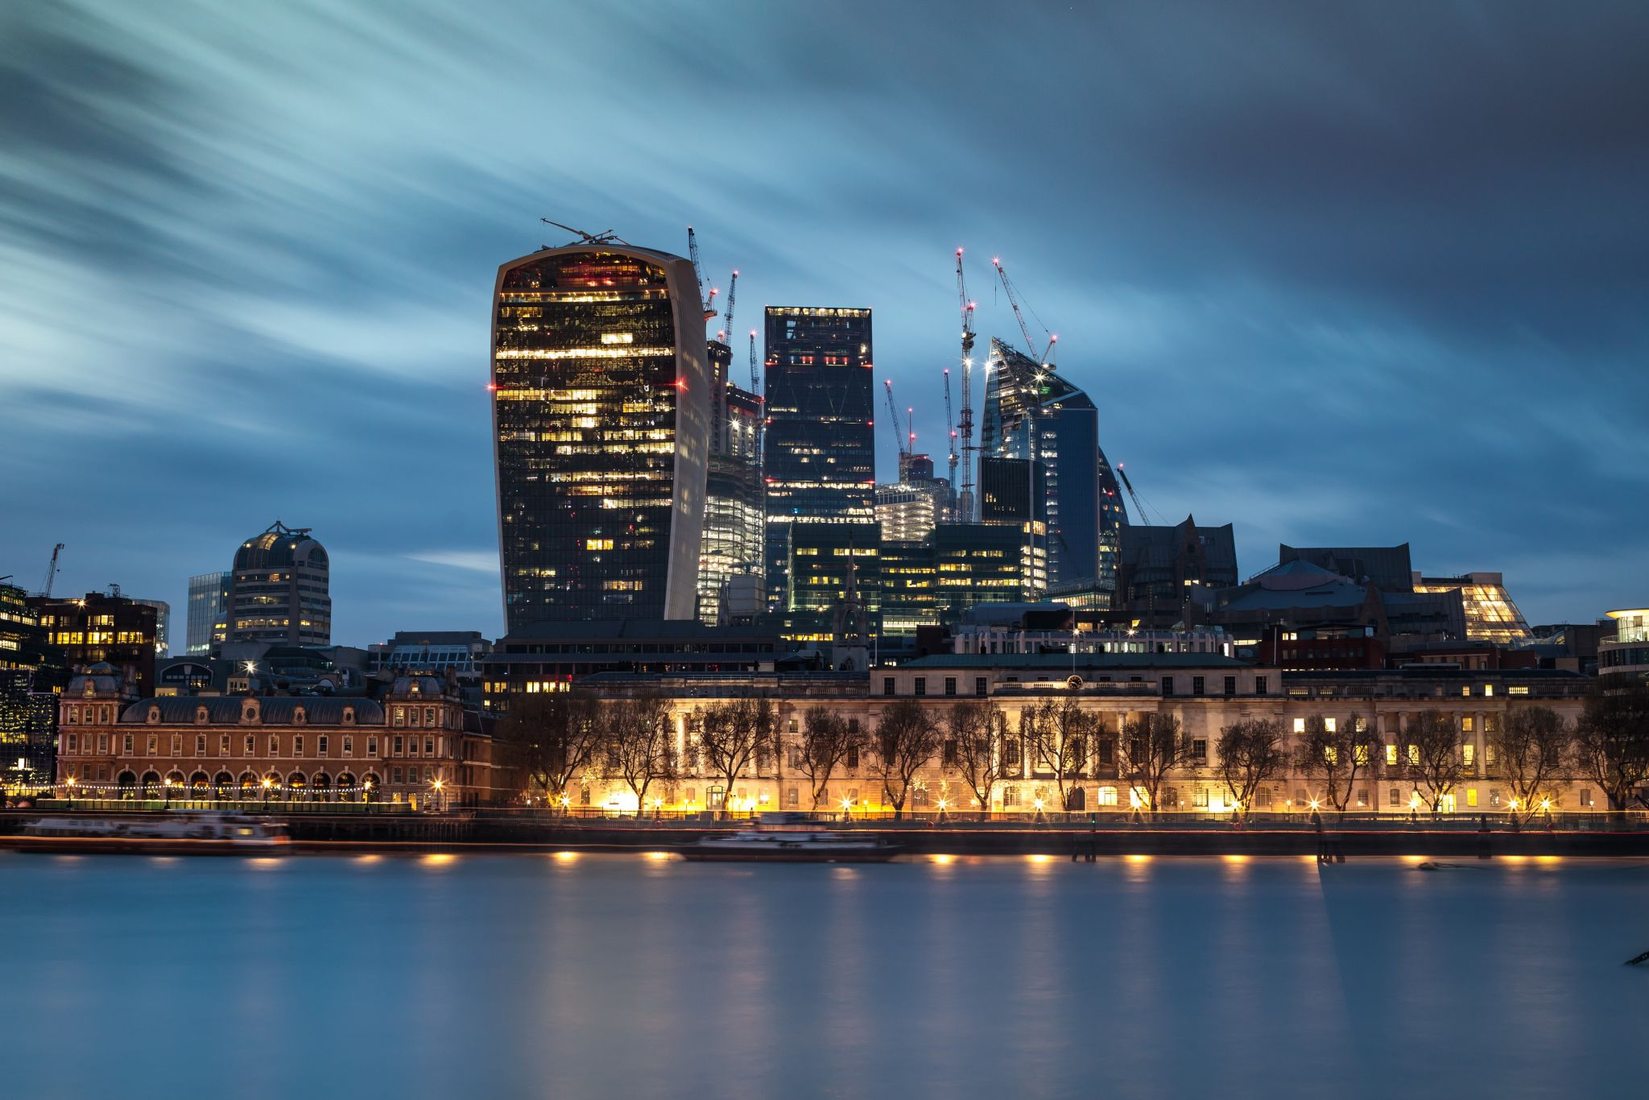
<point>412,746</point>
<point>1206,692</point>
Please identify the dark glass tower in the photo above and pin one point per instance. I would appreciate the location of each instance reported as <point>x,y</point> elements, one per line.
<point>820,454</point>
<point>601,428</point>
<point>1033,412</point>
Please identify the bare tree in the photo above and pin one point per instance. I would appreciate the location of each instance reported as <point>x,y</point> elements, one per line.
<point>550,738</point>
<point>1153,745</point>
<point>827,742</point>
<point>1060,735</point>
<point>734,735</point>
<point>979,730</point>
<point>1533,745</point>
<point>1334,753</point>
<point>1431,756</point>
<point>906,738</point>
<point>1251,752</point>
<point>1612,741</point>
<point>639,743</point>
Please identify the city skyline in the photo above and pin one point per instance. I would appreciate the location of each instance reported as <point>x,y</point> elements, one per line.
<point>1402,309</point>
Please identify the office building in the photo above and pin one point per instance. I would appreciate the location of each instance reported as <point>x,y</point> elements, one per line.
<point>32,672</point>
<point>208,612</point>
<point>163,625</point>
<point>908,510</point>
<point>1491,616</point>
<point>1032,412</point>
<point>102,629</point>
<point>601,429</point>
<point>280,592</point>
<point>828,563</point>
<point>1627,653</point>
<point>819,455</point>
<point>733,528</point>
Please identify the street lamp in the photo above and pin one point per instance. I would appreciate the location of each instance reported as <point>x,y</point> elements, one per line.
<point>167,782</point>
<point>266,783</point>
<point>71,781</point>
<point>439,785</point>
<point>847,809</point>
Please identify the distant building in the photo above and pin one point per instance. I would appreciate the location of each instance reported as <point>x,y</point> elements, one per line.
<point>734,531</point>
<point>1032,412</point>
<point>31,674</point>
<point>1158,566</point>
<point>1491,616</point>
<point>1385,567</point>
<point>826,560</point>
<point>1628,653</point>
<point>163,624</point>
<point>908,510</point>
<point>978,563</point>
<point>432,652</point>
<point>208,612</point>
<point>910,581</point>
<point>97,628</point>
<point>819,452</point>
<point>602,419</point>
<point>281,589</point>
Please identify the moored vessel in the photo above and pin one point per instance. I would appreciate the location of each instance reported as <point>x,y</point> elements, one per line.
<point>185,832</point>
<point>790,847</point>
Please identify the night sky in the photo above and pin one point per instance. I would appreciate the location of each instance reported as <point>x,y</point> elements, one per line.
<point>1337,273</point>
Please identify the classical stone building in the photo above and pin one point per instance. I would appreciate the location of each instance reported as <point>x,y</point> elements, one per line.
<point>1205,691</point>
<point>414,746</point>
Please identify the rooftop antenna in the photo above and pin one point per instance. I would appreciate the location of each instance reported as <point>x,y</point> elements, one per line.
<point>605,237</point>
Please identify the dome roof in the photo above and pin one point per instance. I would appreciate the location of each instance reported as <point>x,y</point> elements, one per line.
<point>280,546</point>
<point>418,685</point>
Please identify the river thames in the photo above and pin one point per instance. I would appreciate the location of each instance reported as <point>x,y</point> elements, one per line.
<point>623,975</point>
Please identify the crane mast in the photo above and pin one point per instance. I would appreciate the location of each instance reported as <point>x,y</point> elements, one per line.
<point>1045,356</point>
<point>51,571</point>
<point>1139,505</point>
<point>899,444</point>
<point>950,427</point>
<point>964,498</point>
<point>707,302</point>
<point>727,321</point>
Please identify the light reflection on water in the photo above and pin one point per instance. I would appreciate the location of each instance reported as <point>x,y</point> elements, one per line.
<point>582,974</point>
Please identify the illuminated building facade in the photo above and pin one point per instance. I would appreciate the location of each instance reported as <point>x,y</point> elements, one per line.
<point>908,510</point>
<point>98,628</point>
<point>979,563</point>
<point>416,745</point>
<point>601,428</point>
<point>163,625</point>
<point>819,456</point>
<point>31,673</point>
<point>1113,684</point>
<point>208,612</point>
<point>1627,654</point>
<point>281,589</point>
<point>1491,616</point>
<point>910,582</point>
<point>734,533</point>
<point>825,561</point>
<point>1032,412</point>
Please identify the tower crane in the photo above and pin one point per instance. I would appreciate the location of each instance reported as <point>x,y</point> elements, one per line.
<point>51,571</point>
<point>1045,356</point>
<point>706,301</point>
<point>1139,505</point>
<point>899,442</point>
<point>755,370</point>
<point>964,499</point>
<point>727,321</point>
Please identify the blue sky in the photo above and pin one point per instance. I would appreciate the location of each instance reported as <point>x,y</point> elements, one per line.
<point>1339,274</point>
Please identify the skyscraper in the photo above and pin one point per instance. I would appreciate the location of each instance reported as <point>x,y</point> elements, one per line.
<point>601,429</point>
<point>208,609</point>
<point>1033,412</point>
<point>281,589</point>
<point>733,528</point>
<point>820,454</point>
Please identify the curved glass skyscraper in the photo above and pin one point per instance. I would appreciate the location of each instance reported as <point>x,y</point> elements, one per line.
<point>601,429</point>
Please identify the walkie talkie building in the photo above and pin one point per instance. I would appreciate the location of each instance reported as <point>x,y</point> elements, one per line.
<point>601,430</point>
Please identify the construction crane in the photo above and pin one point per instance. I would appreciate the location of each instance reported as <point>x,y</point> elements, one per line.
<point>1139,505</point>
<point>900,443</point>
<point>51,571</point>
<point>755,370</point>
<point>726,334</point>
<point>964,499</point>
<point>706,301</point>
<point>1045,356</point>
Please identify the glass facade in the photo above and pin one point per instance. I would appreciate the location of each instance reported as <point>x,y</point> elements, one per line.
<point>601,415</point>
<point>1033,412</point>
<point>824,559</point>
<point>820,453</point>
<point>1491,616</point>
<point>733,517</point>
<point>208,608</point>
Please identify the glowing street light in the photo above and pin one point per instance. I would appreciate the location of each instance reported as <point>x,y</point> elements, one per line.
<point>847,809</point>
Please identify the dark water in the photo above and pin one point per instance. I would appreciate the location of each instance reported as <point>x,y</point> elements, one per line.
<point>623,976</point>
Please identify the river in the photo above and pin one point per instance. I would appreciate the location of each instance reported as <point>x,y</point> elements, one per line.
<point>622,975</point>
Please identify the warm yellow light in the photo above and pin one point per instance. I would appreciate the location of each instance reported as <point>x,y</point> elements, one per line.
<point>565,857</point>
<point>1038,805</point>
<point>438,859</point>
<point>847,803</point>
<point>439,784</point>
<point>565,802</point>
<point>943,804</point>
<point>1512,805</point>
<point>72,781</point>
<point>1236,858</point>
<point>1312,803</point>
<point>267,783</point>
<point>1137,859</point>
<point>944,859</point>
<point>1039,858</point>
<point>655,857</point>
<point>1545,803</point>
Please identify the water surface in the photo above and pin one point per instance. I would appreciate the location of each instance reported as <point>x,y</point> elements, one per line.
<point>504,976</point>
